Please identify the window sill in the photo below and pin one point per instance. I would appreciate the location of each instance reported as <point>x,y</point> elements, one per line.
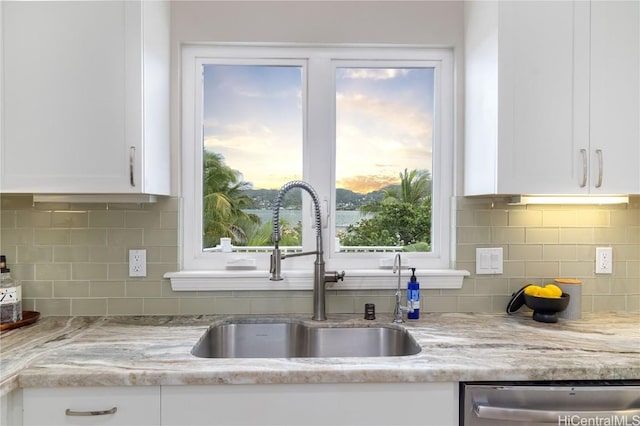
<point>301,280</point>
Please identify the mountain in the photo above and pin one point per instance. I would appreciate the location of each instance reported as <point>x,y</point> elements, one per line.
<point>349,200</point>
<point>345,198</point>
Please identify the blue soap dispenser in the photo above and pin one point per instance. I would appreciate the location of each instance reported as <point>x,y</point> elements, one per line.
<point>413,296</point>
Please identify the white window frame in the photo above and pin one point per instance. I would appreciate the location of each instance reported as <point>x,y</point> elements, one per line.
<point>214,270</point>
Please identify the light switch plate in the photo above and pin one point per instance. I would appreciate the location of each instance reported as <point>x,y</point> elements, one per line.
<point>489,261</point>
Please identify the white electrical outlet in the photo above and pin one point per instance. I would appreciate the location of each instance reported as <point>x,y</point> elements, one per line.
<point>138,263</point>
<point>604,260</point>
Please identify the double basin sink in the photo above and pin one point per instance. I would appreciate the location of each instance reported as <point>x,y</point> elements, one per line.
<point>291,339</point>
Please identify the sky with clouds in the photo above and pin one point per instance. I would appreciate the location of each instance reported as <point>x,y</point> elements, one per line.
<point>253,117</point>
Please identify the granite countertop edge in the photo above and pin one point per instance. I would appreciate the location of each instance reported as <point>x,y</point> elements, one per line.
<point>155,350</point>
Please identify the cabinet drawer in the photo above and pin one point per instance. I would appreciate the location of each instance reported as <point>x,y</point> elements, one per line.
<point>347,404</point>
<point>129,406</point>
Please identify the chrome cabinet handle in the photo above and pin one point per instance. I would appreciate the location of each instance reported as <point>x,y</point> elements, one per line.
<point>585,166</point>
<point>132,158</point>
<point>70,412</point>
<point>545,416</point>
<point>600,168</point>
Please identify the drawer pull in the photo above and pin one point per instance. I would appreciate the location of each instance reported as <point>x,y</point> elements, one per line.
<point>70,412</point>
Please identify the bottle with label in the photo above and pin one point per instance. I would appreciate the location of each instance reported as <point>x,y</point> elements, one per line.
<point>413,296</point>
<point>10,295</point>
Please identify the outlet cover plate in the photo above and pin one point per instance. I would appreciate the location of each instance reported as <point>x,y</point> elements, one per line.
<point>138,263</point>
<point>604,260</point>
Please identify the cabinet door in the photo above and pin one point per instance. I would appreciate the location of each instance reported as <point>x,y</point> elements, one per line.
<point>92,406</point>
<point>312,404</point>
<point>615,97</point>
<point>64,97</point>
<point>537,146</point>
<point>520,94</point>
<point>86,97</point>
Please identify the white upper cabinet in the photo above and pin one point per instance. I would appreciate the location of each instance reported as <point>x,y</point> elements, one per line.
<point>615,97</point>
<point>85,97</point>
<point>552,98</point>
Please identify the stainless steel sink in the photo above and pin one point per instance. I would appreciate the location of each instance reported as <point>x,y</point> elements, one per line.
<point>290,340</point>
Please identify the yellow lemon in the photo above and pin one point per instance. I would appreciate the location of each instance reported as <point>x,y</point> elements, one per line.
<point>532,290</point>
<point>545,292</point>
<point>555,290</point>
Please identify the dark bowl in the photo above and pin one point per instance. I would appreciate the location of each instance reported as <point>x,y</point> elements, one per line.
<point>547,304</point>
<point>545,309</point>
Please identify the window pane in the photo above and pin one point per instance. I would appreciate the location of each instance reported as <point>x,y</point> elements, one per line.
<point>384,135</point>
<point>252,144</point>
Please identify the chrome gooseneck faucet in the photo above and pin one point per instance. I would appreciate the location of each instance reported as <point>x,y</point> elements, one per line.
<point>320,277</point>
<point>397,312</point>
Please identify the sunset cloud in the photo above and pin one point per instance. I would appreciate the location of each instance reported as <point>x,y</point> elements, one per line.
<point>357,107</point>
<point>372,73</point>
<point>247,147</point>
<point>379,136</point>
<point>384,123</point>
<point>365,184</point>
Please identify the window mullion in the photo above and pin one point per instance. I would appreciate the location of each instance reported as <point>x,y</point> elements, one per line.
<point>318,164</point>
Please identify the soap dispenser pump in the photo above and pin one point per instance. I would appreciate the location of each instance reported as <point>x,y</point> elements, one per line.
<point>413,296</point>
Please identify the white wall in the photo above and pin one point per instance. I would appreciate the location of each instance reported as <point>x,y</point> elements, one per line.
<point>432,23</point>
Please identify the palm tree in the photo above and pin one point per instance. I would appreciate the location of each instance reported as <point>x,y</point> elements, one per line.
<point>415,188</point>
<point>223,201</point>
<point>403,217</point>
<point>261,234</point>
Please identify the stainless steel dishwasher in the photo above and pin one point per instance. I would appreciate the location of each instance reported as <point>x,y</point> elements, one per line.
<point>544,403</point>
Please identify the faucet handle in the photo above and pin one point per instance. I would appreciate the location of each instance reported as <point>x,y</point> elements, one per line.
<point>274,269</point>
<point>334,277</point>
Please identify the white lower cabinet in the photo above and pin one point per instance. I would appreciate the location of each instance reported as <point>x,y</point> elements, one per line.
<point>312,404</point>
<point>350,404</point>
<point>11,408</point>
<point>126,406</point>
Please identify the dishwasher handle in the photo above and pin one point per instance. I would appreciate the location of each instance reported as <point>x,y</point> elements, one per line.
<point>545,416</point>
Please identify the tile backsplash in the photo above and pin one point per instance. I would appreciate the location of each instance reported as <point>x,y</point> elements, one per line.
<point>72,259</point>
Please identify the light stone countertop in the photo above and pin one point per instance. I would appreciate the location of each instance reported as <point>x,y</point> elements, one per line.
<point>141,351</point>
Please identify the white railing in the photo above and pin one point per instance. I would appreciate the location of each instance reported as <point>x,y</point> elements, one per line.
<point>365,249</point>
<point>227,247</point>
<point>370,249</point>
